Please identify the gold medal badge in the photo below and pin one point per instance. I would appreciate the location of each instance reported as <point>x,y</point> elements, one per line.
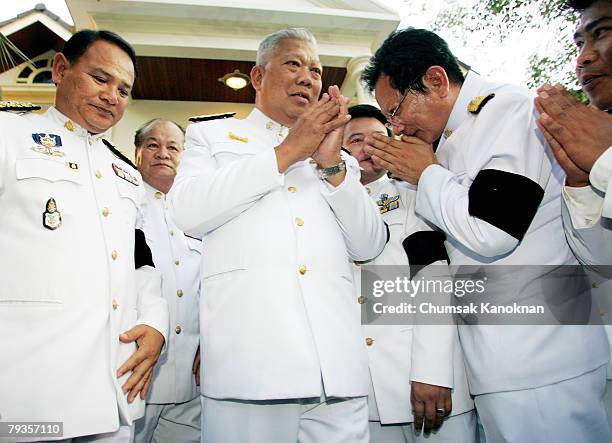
<point>52,218</point>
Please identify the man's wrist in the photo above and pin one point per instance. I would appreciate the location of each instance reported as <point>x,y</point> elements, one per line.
<point>325,173</point>
<point>323,163</point>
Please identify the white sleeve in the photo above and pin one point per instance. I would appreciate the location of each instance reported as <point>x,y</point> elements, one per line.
<point>588,233</point>
<point>358,217</point>
<point>508,168</point>
<point>206,195</point>
<point>152,306</point>
<point>600,175</point>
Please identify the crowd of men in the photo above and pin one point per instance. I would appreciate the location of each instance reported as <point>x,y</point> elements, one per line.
<point>231,253</point>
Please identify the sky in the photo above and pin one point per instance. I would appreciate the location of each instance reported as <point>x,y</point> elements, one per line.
<point>507,61</point>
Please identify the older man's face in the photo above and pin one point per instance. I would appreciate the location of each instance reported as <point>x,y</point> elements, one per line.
<point>594,65</point>
<point>94,91</point>
<point>159,154</point>
<point>422,115</point>
<point>289,82</point>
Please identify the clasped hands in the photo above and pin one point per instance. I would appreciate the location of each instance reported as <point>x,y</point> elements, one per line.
<point>577,134</point>
<point>317,133</point>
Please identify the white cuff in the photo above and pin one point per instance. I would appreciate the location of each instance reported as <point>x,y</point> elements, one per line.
<point>584,206</point>
<point>602,170</point>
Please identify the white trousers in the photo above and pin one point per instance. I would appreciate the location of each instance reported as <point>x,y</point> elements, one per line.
<point>571,411</point>
<point>174,422</point>
<point>460,428</point>
<point>285,421</point>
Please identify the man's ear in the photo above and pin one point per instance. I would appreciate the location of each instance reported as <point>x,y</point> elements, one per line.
<point>60,66</point>
<point>138,157</point>
<point>257,73</point>
<point>436,81</point>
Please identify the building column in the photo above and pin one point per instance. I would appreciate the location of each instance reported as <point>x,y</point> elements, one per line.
<point>352,87</point>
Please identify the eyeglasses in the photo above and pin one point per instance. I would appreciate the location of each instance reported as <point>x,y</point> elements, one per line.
<point>392,118</point>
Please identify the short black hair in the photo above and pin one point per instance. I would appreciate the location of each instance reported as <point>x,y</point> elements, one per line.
<point>78,44</point>
<point>578,5</point>
<point>406,55</point>
<point>361,111</point>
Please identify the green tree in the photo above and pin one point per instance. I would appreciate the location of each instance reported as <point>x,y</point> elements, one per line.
<point>497,19</point>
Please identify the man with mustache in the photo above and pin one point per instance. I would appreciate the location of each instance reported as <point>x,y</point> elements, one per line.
<point>173,402</point>
<point>494,190</point>
<point>280,210</point>
<point>80,330</point>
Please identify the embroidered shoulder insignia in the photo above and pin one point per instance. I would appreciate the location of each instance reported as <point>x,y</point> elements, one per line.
<point>208,117</point>
<point>235,137</point>
<point>18,106</point>
<point>476,105</point>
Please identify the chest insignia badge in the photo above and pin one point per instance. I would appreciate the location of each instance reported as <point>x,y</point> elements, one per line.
<point>125,175</point>
<point>52,217</point>
<point>47,144</point>
<point>386,203</point>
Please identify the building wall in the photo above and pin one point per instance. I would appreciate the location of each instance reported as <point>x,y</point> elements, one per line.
<point>141,111</point>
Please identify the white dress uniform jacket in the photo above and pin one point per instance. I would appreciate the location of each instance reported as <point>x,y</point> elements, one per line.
<point>68,283</point>
<point>503,139</point>
<point>278,307</point>
<point>178,259</point>
<point>399,354</point>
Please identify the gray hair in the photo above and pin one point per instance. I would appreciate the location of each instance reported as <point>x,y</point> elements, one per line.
<point>143,131</point>
<point>270,43</point>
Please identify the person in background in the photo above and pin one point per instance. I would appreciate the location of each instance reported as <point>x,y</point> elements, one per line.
<point>173,403</point>
<point>417,373</point>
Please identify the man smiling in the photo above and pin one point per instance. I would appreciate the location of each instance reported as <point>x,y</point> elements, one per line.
<point>80,330</point>
<point>280,211</point>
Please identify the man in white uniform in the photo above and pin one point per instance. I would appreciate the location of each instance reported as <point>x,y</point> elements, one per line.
<point>493,187</point>
<point>173,403</point>
<point>581,136</point>
<point>280,211</point>
<point>423,362</point>
<point>80,330</point>
<point>581,139</point>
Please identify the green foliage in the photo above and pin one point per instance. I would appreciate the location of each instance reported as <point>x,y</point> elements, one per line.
<point>495,20</point>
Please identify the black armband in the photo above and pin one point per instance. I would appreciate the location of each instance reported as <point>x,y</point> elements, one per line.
<point>505,200</point>
<point>142,252</point>
<point>424,248</point>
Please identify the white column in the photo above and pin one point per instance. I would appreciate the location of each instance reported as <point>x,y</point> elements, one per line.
<point>352,84</point>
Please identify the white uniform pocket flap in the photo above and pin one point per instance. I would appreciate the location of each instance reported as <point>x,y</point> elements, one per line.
<point>47,169</point>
